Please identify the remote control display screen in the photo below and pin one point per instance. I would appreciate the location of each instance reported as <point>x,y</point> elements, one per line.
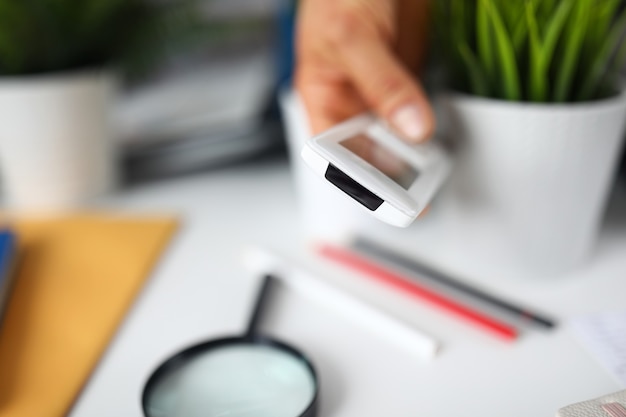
<point>391,165</point>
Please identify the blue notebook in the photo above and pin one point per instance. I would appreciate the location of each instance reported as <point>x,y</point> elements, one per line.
<point>7,259</point>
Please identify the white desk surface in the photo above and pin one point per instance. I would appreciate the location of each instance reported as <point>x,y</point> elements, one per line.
<point>200,290</point>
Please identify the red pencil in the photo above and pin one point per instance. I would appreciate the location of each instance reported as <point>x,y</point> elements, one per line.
<point>384,276</point>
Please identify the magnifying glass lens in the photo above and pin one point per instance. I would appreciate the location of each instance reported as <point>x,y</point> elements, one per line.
<point>244,380</point>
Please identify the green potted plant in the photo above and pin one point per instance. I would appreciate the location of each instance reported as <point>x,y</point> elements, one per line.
<point>538,112</point>
<point>59,65</point>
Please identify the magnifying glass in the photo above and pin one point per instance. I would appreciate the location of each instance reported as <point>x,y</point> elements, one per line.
<point>244,376</point>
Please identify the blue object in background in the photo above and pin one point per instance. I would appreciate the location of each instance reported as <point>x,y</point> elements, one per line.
<point>285,42</point>
<point>8,251</point>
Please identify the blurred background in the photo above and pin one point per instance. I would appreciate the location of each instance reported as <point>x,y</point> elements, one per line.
<point>198,79</point>
<point>132,91</point>
<point>211,99</point>
<point>102,102</point>
<point>188,85</point>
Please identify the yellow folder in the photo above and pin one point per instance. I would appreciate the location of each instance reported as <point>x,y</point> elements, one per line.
<point>77,278</point>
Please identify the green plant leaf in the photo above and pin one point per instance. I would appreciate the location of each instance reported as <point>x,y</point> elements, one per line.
<point>13,24</point>
<point>458,29</point>
<point>477,76</point>
<point>572,50</point>
<point>484,38</point>
<point>536,67</point>
<point>51,35</point>
<point>539,50</point>
<point>520,33</point>
<point>553,31</point>
<point>458,17</point>
<point>95,12</point>
<point>504,46</point>
<point>510,11</point>
<point>619,62</point>
<point>602,62</point>
<point>601,21</point>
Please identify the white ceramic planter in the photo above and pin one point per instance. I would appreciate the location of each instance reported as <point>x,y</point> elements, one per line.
<point>539,175</point>
<point>56,149</point>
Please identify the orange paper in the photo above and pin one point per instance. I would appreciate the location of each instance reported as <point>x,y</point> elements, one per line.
<point>77,278</point>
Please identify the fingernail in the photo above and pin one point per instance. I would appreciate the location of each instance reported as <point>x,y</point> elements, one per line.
<point>408,121</point>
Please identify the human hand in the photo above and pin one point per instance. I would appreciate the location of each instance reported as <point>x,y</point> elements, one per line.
<point>360,55</point>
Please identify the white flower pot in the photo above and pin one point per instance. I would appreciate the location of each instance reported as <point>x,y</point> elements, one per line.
<point>539,175</point>
<point>56,149</point>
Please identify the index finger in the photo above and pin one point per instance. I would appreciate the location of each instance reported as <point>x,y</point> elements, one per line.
<point>388,87</point>
<point>327,102</point>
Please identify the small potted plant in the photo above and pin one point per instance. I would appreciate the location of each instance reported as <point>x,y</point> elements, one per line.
<point>59,61</point>
<point>537,111</point>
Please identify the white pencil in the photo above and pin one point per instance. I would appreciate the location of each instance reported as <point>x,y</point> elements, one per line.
<point>299,279</point>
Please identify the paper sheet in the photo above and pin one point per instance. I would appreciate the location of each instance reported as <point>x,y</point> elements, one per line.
<point>604,336</point>
<point>76,279</point>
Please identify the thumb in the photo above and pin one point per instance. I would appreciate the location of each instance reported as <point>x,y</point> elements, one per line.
<point>388,87</point>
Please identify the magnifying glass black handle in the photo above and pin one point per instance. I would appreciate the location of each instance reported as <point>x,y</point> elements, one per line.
<point>259,305</point>
<point>245,367</point>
